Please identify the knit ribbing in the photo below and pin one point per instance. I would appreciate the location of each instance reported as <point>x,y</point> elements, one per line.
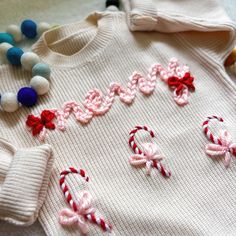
<point>141,14</point>
<point>170,16</point>
<point>95,42</point>
<point>20,204</point>
<point>6,152</point>
<point>144,8</point>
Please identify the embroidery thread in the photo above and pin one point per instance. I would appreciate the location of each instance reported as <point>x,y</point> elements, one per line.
<point>222,145</point>
<point>39,125</point>
<point>82,211</point>
<point>179,79</point>
<point>149,156</point>
<point>98,104</point>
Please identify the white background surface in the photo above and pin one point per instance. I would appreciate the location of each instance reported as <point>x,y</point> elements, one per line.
<point>54,12</point>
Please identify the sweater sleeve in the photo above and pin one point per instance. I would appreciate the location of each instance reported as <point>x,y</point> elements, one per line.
<point>202,25</point>
<point>24,178</point>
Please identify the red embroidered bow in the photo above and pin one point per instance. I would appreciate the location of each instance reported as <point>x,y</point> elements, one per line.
<point>37,124</point>
<point>181,83</point>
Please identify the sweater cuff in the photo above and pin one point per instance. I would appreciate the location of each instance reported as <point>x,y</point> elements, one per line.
<point>142,15</point>
<point>24,178</point>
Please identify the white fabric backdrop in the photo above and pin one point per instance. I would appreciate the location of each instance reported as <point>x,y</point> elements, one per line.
<point>58,12</point>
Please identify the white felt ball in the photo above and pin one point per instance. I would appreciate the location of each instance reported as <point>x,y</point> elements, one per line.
<point>39,84</point>
<point>9,102</point>
<point>15,31</point>
<point>29,59</point>
<point>112,8</point>
<point>42,27</point>
<point>3,51</point>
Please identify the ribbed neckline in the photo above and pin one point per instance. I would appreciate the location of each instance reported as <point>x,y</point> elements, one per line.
<point>102,22</point>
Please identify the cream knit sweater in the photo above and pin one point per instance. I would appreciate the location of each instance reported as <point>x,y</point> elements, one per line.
<point>199,198</point>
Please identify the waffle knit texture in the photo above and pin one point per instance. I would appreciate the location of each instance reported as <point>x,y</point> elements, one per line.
<point>24,178</point>
<point>199,198</point>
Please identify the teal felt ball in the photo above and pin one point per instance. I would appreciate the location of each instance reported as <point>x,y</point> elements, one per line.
<point>29,29</point>
<point>14,55</point>
<point>27,96</point>
<point>41,69</point>
<point>6,38</point>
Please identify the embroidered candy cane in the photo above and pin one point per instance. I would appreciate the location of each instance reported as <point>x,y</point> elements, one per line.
<point>222,145</point>
<point>147,156</point>
<point>132,143</point>
<point>82,209</point>
<point>43,134</point>
<point>207,131</point>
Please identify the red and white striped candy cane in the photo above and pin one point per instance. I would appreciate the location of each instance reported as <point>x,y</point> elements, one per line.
<point>90,217</point>
<point>137,150</point>
<point>207,131</point>
<point>132,143</point>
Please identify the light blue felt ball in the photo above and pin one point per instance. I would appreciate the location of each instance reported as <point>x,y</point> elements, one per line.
<point>14,55</point>
<point>6,38</point>
<point>41,69</point>
<point>29,29</point>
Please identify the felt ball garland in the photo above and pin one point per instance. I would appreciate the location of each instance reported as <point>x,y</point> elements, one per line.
<point>41,69</point>
<point>14,55</point>
<point>39,84</point>
<point>6,38</point>
<point>28,29</point>
<point>14,34</point>
<point>113,3</point>
<point>27,96</point>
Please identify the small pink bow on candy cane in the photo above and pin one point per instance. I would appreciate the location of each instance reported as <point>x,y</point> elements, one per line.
<point>149,155</point>
<point>70,217</point>
<point>227,148</point>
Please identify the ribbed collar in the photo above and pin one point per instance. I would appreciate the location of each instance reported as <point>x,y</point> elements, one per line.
<point>96,31</point>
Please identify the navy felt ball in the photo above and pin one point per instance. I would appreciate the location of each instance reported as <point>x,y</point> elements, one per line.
<point>113,3</point>
<point>13,55</point>
<point>27,96</point>
<point>6,38</point>
<point>29,29</point>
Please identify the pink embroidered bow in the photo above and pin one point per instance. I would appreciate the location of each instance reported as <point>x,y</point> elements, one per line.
<point>70,217</point>
<point>149,157</point>
<point>227,149</point>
